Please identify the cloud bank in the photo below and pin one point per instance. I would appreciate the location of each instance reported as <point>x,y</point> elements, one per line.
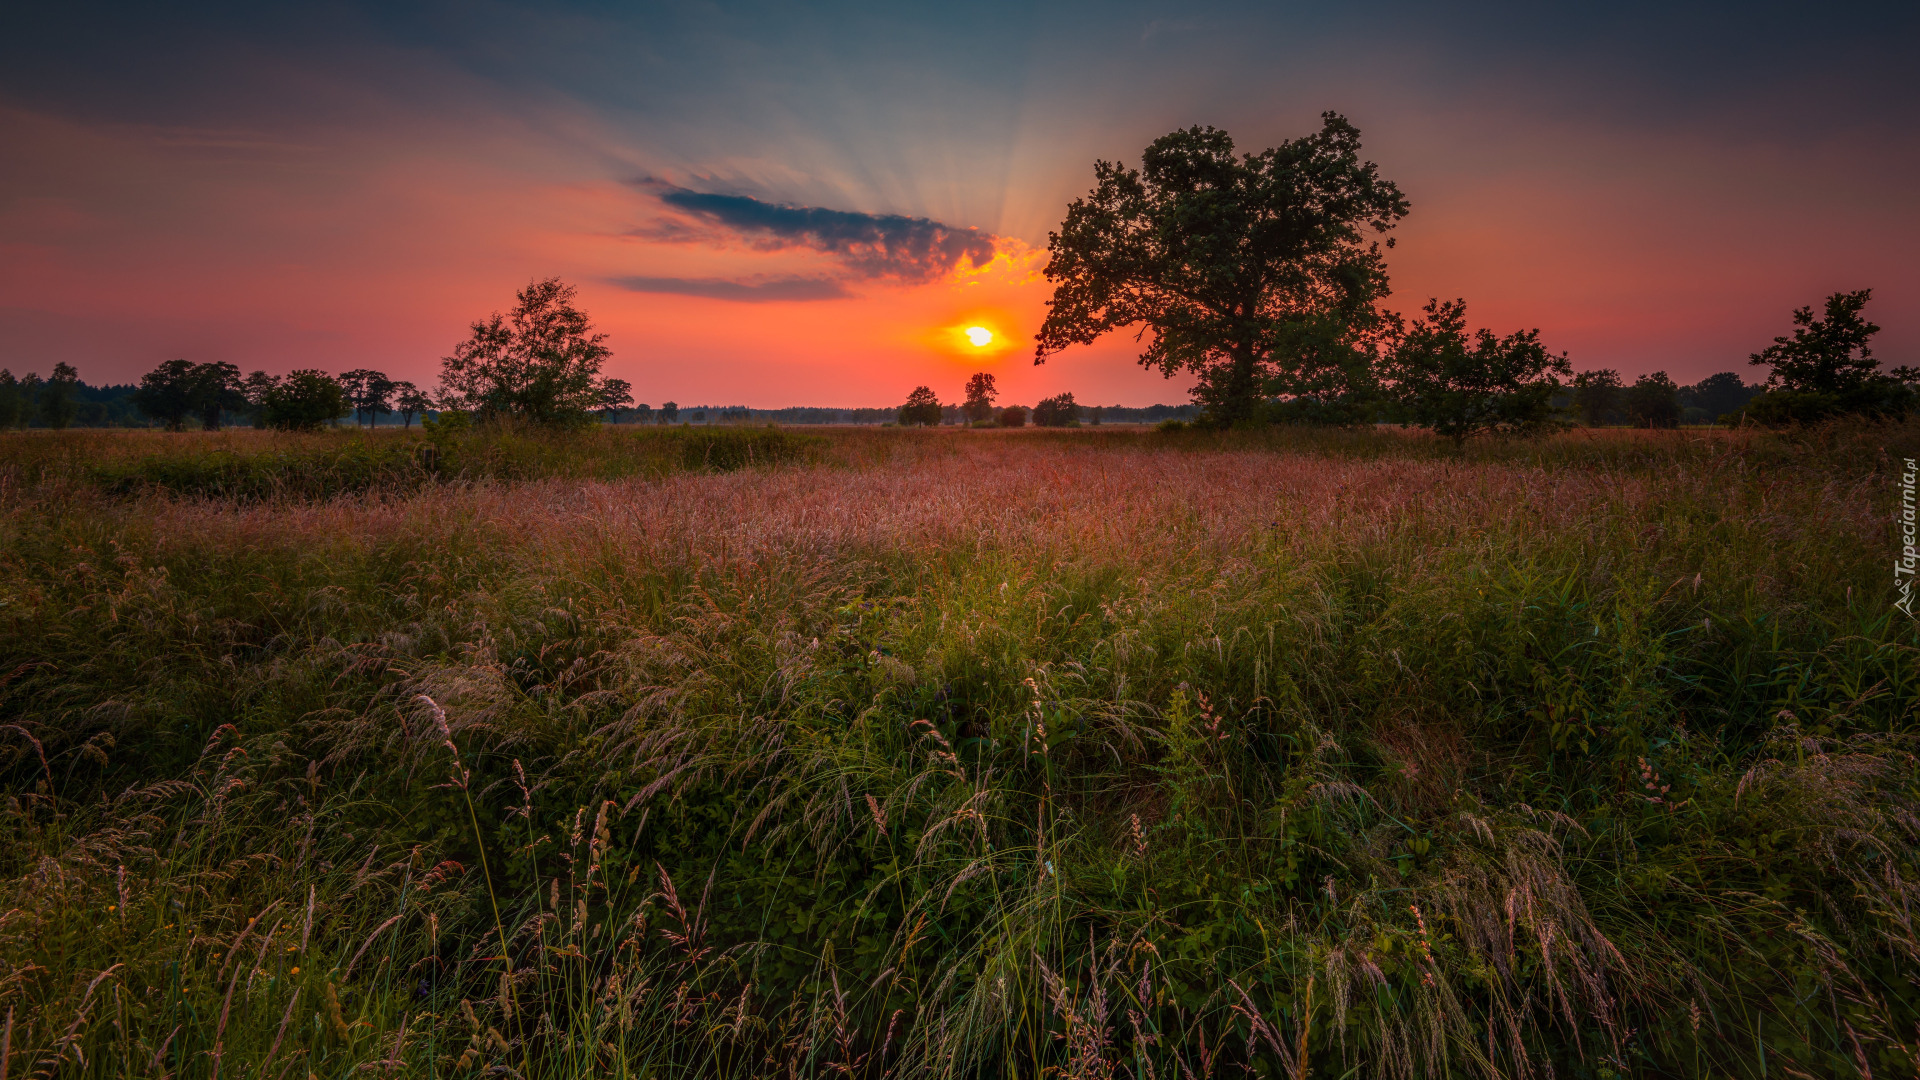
<point>752,292</point>
<point>913,250</point>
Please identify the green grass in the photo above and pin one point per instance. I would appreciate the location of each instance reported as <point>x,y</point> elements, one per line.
<point>957,753</point>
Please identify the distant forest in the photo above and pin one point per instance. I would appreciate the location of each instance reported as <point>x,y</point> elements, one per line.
<point>112,405</point>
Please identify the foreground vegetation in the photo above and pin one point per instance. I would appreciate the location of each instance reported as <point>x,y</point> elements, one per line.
<point>956,753</point>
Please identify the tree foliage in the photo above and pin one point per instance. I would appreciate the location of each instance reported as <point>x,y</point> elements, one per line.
<point>1255,272</point>
<point>980,393</point>
<point>1596,395</point>
<point>305,401</point>
<point>922,407</point>
<point>11,408</point>
<point>1826,368</point>
<point>167,393</point>
<point>1460,384</point>
<point>368,391</point>
<point>1012,416</point>
<point>1058,411</point>
<point>615,395</point>
<point>409,401</point>
<point>1653,401</point>
<point>539,363</point>
<point>57,405</point>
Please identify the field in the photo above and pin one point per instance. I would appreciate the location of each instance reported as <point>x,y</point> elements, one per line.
<point>956,753</point>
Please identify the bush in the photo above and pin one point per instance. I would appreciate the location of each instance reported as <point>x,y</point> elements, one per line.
<point>1013,416</point>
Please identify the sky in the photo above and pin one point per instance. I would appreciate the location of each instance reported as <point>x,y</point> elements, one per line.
<point>776,204</point>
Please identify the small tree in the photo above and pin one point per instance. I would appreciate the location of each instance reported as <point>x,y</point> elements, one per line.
<point>1012,416</point>
<point>11,408</point>
<point>1098,414</point>
<point>168,393</point>
<point>615,394</point>
<point>1596,395</point>
<point>57,404</point>
<point>410,401</point>
<point>1458,384</point>
<point>978,405</point>
<point>1056,412</point>
<point>1654,401</point>
<point>540,363</point>
<point>306,400</point>
<point>368,391</point>
<point>922,407</point>
<point>669,412</point>
<point>643,413</point>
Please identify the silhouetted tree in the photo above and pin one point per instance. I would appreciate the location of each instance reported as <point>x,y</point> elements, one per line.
<point>1012,416</point>
<point>410,401</point>
<point>1653,401</point>
<point>1717,395</point>
<point>368,391</point>
<point>642,413</point>
<point>1253,272</point>
<point>669,412</point>
<point>922,407</point>
<point>540,363</point>
<point>217,390</point>
<point>1826,356</point>
<point>30,384</point>
<point>1459,384</point>
<point>11,407</point>
<point>1596,395</point>
<point>615,394</point>
<point>1098,414</point>
<point>979,397</point>
<point>1827,368</point>
<point>57,404</point>
<point>1057,411</point>
<point>168,393</point>
<point>305,401</point>
<point>254,388</point>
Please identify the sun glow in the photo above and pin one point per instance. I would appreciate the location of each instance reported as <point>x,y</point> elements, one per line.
<point>980,336</point>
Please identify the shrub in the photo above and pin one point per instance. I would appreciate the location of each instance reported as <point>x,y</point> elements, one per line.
<point>1013,416</point>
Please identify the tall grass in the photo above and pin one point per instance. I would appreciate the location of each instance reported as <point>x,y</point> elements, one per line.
<point>966,753</point>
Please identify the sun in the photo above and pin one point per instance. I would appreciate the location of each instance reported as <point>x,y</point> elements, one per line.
<point>980,336</point>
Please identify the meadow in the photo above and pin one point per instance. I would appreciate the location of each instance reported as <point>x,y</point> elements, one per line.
<point>949,753</point>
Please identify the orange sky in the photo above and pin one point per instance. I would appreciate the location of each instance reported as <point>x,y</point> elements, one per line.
<point>352,192</point>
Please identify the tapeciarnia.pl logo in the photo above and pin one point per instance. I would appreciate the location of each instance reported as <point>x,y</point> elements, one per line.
<point>1903,566</point>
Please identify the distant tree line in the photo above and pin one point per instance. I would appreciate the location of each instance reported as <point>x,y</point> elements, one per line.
<point>1263,277</point>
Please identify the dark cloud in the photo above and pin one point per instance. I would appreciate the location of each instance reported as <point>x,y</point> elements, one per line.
<point>911,249</point>
<point>751,292</point>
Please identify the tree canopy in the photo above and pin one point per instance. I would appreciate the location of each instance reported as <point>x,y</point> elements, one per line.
<point>922,407</point>
<point>1827,368</point>
<point>167,393</point>
<point>305,400</point>
<point>980,393</point>
<point>1255,272</point>
<point>1057,411</point>
<point>538,363</point>
<point>1828,355</point>
<point>1459,384</point>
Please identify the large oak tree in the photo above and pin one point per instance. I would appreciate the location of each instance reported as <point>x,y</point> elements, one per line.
<point>1259,273</point>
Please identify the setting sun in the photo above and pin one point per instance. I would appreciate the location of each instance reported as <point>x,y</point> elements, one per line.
<point>980,336</point>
